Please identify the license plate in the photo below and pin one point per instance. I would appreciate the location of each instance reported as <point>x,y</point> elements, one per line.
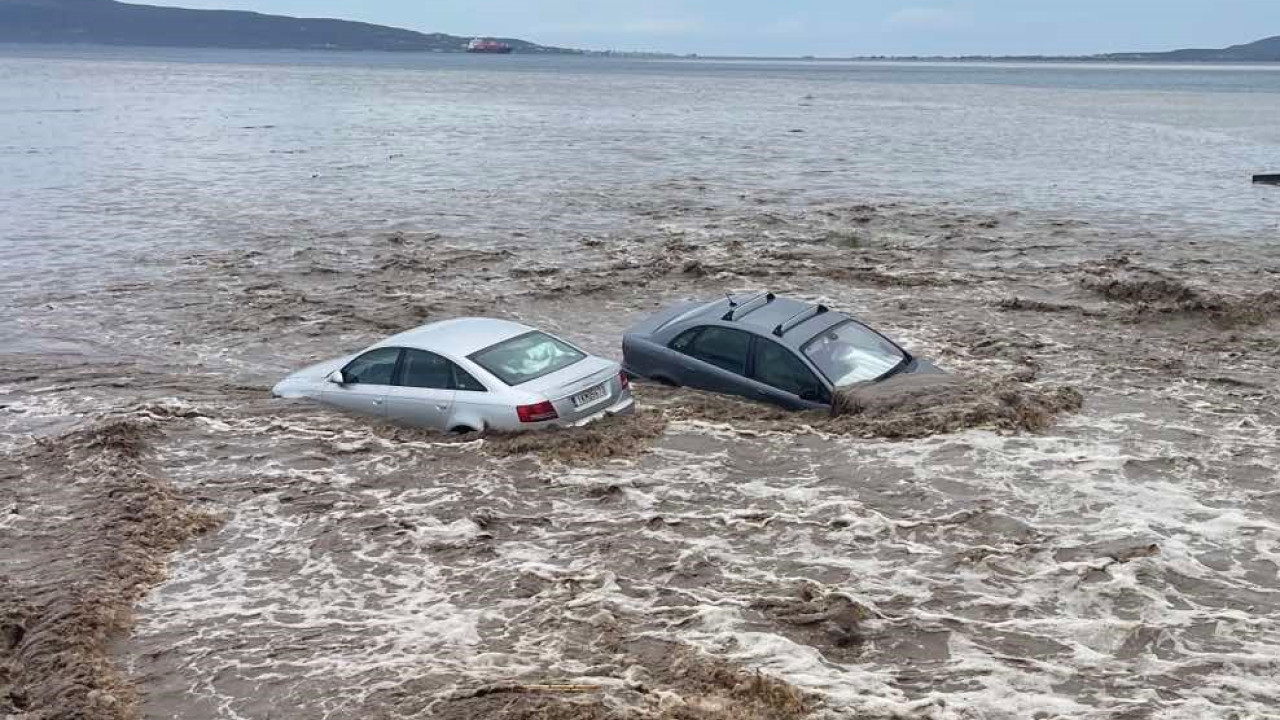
<point>590,395</point>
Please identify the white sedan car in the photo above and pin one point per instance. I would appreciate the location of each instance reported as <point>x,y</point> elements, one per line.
<point>469,374</point>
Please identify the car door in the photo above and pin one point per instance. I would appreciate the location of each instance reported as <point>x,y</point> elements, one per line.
<point>784,378</point>
<point>713,358</point>
<point>474,407</point>
<point>366,382</point>
<point>423,394</point>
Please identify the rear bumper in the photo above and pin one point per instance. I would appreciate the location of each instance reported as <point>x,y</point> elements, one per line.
<point>625,406</point>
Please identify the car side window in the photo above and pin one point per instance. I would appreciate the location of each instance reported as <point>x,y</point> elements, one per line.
<point>422,369</point>
<point>722,347</point>
<point>462,380</point>
<point>372,368</point>
<point>684,340</point>
<point>780,368</point>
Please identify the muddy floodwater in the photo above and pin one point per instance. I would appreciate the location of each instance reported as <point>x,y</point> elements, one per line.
<point>1085,525</point>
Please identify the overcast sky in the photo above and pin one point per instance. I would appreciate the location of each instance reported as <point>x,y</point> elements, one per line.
<point>815,27</point>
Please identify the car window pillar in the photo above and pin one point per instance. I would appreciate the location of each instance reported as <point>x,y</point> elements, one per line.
<point>750,366</point>
<point>399,369</point>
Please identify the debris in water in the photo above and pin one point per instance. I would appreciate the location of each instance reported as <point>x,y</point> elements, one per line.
<point>116,528</point>
<point>902,407</point>
<point>1021,303</point>
<point>1153,293</point>
<point>608,438</point>
<point>912,406</point>
<point>665,681</point>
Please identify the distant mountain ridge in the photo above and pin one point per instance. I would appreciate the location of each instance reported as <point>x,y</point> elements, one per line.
<point>1265,50</point>
<point>108,22</point>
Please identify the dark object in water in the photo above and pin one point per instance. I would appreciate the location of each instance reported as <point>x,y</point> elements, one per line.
<point>1268,179</point>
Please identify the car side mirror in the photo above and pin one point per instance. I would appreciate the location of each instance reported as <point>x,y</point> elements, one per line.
<point>337,378</point>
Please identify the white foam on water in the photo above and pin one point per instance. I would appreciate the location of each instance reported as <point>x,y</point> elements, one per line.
<point>1111,564</point>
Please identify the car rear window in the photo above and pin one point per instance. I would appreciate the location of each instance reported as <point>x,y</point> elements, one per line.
<point>527,357</point>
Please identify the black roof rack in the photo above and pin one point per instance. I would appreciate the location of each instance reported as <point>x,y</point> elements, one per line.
<point>755,302</point>
<point>798,318</point>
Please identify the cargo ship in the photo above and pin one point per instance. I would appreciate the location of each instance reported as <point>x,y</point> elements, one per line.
<point>481,45</point>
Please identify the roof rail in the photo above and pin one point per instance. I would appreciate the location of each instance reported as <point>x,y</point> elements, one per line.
<point>738,309</point>
<point>800,317</point>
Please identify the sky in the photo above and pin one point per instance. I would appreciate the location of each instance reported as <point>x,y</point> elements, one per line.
<point>834,28</point>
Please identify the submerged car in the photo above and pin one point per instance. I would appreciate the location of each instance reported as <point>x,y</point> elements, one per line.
<point>764,347</point>
<point>469,374</point>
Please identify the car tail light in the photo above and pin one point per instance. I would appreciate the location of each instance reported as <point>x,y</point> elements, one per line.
<point>537,413</point>
<point>624,380</point>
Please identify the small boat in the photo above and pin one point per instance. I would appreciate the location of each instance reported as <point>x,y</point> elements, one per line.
<point>482,45</point>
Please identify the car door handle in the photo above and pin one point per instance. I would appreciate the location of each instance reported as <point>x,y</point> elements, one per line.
<point>442,407</point>
<point>377,402</point>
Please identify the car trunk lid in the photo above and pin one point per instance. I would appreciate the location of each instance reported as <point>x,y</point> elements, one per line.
<point>667,315</point>
<point>595,379</point>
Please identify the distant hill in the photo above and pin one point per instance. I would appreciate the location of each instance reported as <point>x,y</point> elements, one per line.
<point>107,22</point>
<point>1267,50</point>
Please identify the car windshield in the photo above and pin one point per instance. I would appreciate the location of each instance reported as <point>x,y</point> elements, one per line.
<point>526,357</point>
<point>851,353</point>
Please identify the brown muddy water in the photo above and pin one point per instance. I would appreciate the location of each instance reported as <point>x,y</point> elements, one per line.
<point>1086,524</point>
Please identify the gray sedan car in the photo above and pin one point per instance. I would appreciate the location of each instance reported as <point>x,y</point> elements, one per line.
<point>468,374</point>
<point>764,347</point>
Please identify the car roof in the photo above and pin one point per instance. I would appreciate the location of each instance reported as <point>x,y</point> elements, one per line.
<point>762,318</point>
<point>459,336</point>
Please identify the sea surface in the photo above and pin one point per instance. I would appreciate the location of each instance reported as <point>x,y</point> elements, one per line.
<point>179,228</point>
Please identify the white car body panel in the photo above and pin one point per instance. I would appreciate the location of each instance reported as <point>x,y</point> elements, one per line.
<point>450,409</point>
